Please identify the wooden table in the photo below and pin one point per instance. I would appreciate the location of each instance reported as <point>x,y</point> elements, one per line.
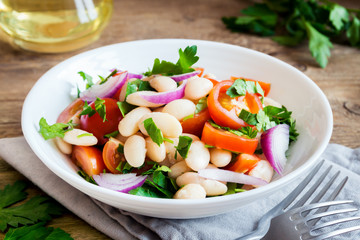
<point>195,19</point>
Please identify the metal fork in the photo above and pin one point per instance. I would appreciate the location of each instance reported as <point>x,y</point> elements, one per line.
<point>295,223</point>
<point>283,206</point>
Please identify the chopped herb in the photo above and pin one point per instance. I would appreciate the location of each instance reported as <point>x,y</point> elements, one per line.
<point>113,134</point>
<point>201,105</point>
<point>87,78</point>
<point>188,117</point>
<point>84,135</point>
<point>37,231</point>
<point>124,167</point>
<point>240,87</point>
<point>183,146</point>
<point>125,107</point>
<point>100,108</point>
<point>249,131</point>
<point>208,146</point>
<point>168,140</point>
<point>318,21</point>
<point>36,209</point>
<point>104,80</point>
<point>186,59</point>
<point>137,85</point>
<point>85,176</point>
<point>120,148</point>
<point>234,188</point>
<point>248,117</point>
<point>153,131</point>
<point>55,130</point>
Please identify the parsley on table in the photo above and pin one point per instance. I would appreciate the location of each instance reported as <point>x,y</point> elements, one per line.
<point>37,231</point>
<point>55,130</point>
<point>37,210</point>
<point>186,59</point>
<point>319,22</point>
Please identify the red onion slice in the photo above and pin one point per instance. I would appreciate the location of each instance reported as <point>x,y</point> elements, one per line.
<point>164,97</point>
<point>130,75</point>
<point>274,143</point>
<point>184,76</point>
<point>119,182</point>
<point>230,176</point>
<point>108,89</point>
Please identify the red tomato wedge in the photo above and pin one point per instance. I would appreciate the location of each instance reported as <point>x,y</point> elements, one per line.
<point>111,156</point>
<point>195,125</point>
<point>253,102</point>
<point>97,126</point>
<point>226,140</point>
<point>221,108</point>
<point>264,85</point>
<point>89,159</point>
<point>244,162</point>
<point>72,110</point>
<point>199,69</point>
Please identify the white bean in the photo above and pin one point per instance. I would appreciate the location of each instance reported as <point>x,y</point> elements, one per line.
<point>129,125</point>
<point>168,124</point>
<point>178,168</point>
<point>163,83</point>
<point>155,152</point>
<point>220,157</point>
<point>189,177</point>
<point>180,108</point>
<point>262,170</point>
<point>80,137</point>
<point>135,150</point>
<point>197,88</point>
<point>137,99</point>
<point>191,191</point>
<point>213,187</point>
<point>271,102</point>
<point>63,146</point>
<point>198,156</point>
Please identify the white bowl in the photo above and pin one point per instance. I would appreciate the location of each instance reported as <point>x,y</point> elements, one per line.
<point>290,87</point>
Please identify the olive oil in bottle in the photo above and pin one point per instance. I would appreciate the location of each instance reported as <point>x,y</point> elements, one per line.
<point>53,26</point>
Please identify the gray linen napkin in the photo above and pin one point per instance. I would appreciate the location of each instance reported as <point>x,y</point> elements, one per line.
<point>119,224</point>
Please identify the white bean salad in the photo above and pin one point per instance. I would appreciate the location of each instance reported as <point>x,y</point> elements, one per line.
<point>174,131</point>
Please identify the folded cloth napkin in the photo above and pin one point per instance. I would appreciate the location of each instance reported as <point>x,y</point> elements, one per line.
<point>119,224</point>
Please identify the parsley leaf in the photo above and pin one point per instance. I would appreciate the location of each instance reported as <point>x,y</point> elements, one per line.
<point>248,117</point>
<point>55,130</point>
<point>104,80</point>
<point>37,231</point>
<point>123,167</point>
<point>353,33</point>
<point>85,176</point>
<point>125,107</point>
<point>201,105</point>
<point>239,132</point>
<point>249,131</point>
<point>338,16</point>
<point>240,87</point>
<point>137,85</point>
<point>99,106</point>
<point>183,146</point>
<point>112,134</point>
<point>153,131</point>
<point>319,45</point>
<point>36,209</point>
<point>87,78</point>
<point>186,59</point>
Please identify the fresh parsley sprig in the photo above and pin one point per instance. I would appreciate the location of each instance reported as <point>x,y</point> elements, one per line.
<point>318,21</point>
<point>240,87</point>
<point>187,58</point>
<point>100,108</point>
<point>55,130</point>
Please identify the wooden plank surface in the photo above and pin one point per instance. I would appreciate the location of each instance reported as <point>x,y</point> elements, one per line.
<point>195,19</point>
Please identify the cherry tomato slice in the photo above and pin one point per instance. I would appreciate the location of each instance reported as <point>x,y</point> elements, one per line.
<point>89,159</point>
<point>71,111</point>
<point>111,156</point>
<point>244,163</point>
<point>226,140</point>
<point>253,102</point>
<point>196,124</point>
<point>97,126</point>
<point>217,105</point>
